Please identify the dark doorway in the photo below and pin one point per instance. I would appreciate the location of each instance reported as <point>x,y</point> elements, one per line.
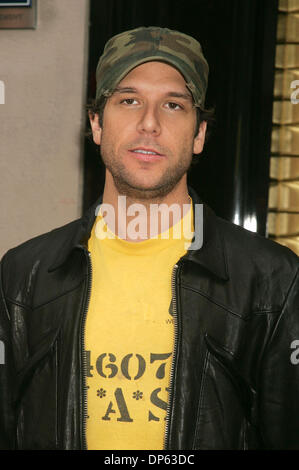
<point>238,40</point>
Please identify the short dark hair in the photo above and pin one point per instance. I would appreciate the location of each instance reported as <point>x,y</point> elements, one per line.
<point>97,106</point>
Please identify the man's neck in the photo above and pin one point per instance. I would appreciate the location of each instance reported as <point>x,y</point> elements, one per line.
<point>138,219</point>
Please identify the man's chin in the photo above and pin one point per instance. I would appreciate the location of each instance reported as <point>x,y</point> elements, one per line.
<point>143,191</point>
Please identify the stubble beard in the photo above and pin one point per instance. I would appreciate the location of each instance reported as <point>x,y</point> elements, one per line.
<point>127,185</point>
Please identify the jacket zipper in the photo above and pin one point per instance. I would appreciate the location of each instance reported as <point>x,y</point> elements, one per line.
<point>83,355</point>
<point>172,369</point>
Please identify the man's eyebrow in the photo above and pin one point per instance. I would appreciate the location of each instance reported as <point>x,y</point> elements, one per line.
<point>175,94</point>
<point>171,94</point>
<point>124,90</point>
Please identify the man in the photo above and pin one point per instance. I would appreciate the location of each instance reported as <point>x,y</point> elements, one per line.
<point>119,334</point>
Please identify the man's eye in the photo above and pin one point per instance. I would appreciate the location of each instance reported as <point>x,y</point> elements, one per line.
<point>174,106</point>
<point>129,101</point>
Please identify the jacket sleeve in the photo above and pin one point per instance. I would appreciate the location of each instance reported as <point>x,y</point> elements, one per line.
<point>278,400</point>
<point>7,414</point>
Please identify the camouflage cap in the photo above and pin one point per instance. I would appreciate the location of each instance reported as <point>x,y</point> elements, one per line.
<point>126,50</point>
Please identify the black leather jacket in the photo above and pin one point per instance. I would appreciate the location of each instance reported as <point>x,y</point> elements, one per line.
<point>235,365</point>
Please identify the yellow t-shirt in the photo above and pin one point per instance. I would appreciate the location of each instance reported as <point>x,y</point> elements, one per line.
<point>129,338</point>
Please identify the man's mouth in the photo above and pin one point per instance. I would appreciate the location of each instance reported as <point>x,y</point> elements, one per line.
<point>142,152</point>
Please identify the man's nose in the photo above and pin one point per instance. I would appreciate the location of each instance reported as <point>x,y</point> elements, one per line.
<point>149,121</point>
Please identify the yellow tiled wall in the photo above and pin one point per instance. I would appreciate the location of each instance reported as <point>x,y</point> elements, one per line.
<point>283,215</point>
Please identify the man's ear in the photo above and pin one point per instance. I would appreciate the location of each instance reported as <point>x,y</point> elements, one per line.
<point>200,138</point>
<point>95,127</point>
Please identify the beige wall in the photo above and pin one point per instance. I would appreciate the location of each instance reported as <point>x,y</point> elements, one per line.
<point>44,72</point>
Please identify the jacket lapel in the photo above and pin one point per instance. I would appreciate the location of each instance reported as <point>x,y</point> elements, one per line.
<point>211,255</point>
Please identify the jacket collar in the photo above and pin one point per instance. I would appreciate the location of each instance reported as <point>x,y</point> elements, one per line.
<point>211,255</point>
<point>79,237</point>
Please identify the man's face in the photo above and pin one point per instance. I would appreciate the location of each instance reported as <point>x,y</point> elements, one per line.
<point>147,139</point>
